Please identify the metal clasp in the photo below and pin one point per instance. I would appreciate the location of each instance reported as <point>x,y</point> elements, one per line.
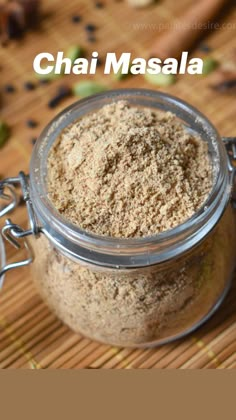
<point>230,145</point>
<point>12,232</point>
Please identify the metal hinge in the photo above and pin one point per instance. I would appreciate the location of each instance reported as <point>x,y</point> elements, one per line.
<point>12,232</point>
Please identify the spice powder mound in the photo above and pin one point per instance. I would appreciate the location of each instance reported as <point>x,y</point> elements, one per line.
<point>128,172</point>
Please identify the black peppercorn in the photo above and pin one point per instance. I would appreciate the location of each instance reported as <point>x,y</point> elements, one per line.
<point>63,92</point>
<point>90,27</point>
<point>76,18</point>
<point>31,123</point>
<point>99,5</point>
<point>29,85</point>
<point>9,88</point>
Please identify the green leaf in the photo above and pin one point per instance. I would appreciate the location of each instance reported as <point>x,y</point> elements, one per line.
<point>87,88</point>
<point>160,79</point>
<point>74,52</point>
<point>209,65</point>
<point>120,76</point>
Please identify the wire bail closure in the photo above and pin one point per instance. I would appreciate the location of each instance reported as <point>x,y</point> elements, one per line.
<point>12,232</point>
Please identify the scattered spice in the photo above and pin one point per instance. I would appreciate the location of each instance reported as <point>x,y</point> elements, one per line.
<point>90,27</point>
<point>121,76</point>
<point>4,133</point>
<point>99,5</point>
<point>33,140</point>
<point>111,172</point>
<point>87,88</point>
<point>74,52</point>
<point>31,123</point>
<point>9,88</point>
<point>29,85</point>
<point>205,48</point>
<point>17,16</point>
<point>31,12</point>
<point>209,65</point>
<point>160,79</point>
<point>225,86</point>
<point>12,20</point>
<point>55,101</point>
<point>76,18</point>
<point>63,92</point>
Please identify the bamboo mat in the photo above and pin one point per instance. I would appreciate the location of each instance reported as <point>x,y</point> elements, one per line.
<point>31,336</point>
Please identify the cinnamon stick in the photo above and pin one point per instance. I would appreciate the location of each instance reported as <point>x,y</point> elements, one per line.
<point>188,29</point>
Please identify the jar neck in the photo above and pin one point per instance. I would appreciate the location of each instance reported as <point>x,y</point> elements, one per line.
<point>135,252</point>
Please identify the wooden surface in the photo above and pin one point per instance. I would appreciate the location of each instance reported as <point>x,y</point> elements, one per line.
<point>30,335</point>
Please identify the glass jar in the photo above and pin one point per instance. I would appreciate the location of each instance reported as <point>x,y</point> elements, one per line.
<point>130,292</point>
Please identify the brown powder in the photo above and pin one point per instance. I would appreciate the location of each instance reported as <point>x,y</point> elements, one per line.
<point>128,172</point>
<point>137,307</point>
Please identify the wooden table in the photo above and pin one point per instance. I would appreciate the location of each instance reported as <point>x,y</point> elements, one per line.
<point>30,335</point>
